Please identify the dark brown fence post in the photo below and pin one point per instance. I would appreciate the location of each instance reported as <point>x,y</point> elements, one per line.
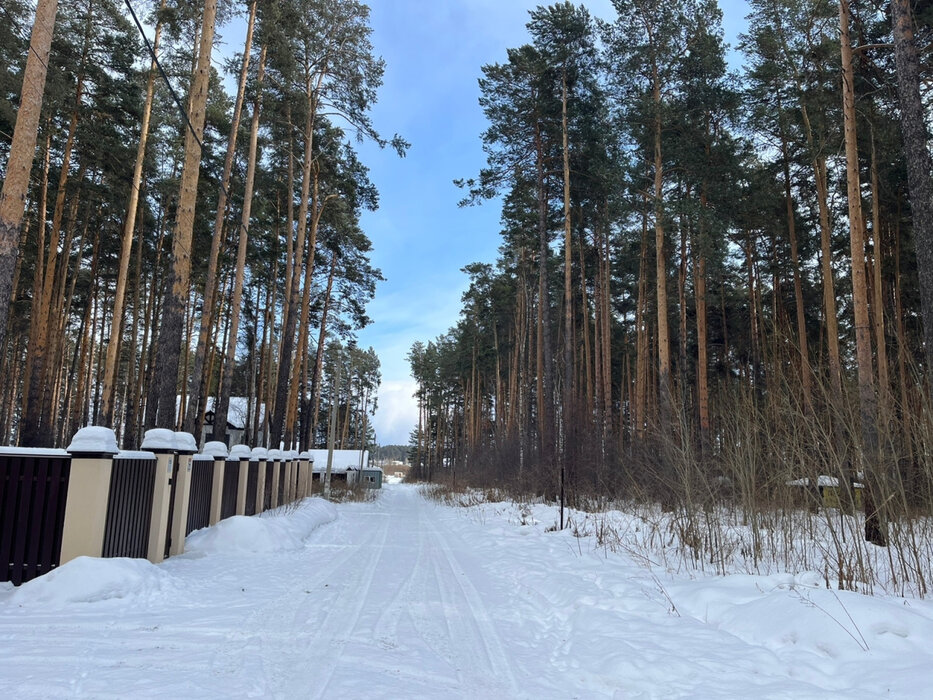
<point>259,455</point>
<point>218,451</point>
<point>92,450</point>
<point>161,442</point>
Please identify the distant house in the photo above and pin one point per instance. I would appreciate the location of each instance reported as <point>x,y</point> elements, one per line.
<point>346,466</point>
<point>237,415</point>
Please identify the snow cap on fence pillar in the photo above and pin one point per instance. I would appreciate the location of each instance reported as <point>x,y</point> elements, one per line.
<point>215,449</point>
<point>94,439</point>
<point>306,456</point>
<point>274,455</point>
<point>239,452</point>
<point>259,453</point>
<point>159,440</point>
<point>185,443</point>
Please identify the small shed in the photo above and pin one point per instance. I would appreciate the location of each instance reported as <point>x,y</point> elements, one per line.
<point>829,491</point>
<point>371,478</point>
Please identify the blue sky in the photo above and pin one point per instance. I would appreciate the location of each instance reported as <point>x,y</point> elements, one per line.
<point>434,50</point>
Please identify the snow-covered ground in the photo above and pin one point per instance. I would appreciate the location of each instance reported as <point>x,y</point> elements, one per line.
<point>404,598</point>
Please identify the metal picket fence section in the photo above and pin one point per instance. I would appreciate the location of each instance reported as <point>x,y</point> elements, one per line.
<point>229,490</point>
<point>199,497</point>
<point>129,507</point>
<point>33,490</point>
<point>267,493</point>
<point>252,487</point>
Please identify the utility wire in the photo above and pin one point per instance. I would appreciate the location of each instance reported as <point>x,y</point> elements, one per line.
<point>165,79</point>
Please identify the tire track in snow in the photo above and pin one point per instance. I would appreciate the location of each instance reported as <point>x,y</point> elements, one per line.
<point>338,626</point>
<point>483,638</point>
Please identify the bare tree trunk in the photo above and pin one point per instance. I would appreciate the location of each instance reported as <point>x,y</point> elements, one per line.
<point>177,291</point>
<point>288,327</point>
<point>223,403</point>
<point>126,246</point>
<point>917,157</point>
<point>874,527</point>
<point>194,417</point>
<point>22,152</point>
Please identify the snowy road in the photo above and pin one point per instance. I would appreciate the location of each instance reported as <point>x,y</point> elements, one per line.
<point>401,598</point>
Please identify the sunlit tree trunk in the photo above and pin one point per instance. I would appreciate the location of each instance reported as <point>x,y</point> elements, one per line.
<point>194,416</point>
<point>116,330</point>
<point>178,283</point>
<point>22,152</point>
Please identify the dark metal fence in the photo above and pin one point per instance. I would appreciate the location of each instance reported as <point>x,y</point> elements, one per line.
<point>199,497</point>
<point>229,491</point>
<point>129,508</point>
<point>33,490</point>
<point>282,484</point>
<point>267,493</point>
<point>171,505</point>
<point>252,487</point>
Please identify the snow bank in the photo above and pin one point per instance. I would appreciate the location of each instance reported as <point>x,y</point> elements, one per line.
<point>280,530</point>
<point>91,580</point>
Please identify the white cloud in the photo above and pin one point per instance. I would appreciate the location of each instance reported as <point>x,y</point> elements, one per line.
<point>397,414</point>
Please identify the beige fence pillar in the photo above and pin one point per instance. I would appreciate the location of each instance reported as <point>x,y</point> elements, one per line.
<point>218,451</point>
<point>259,454</point>
<point>240,455</point>
<point>304,475</point>
<point>92,450</point>
<point>161,442</point>
<point>185,447</point>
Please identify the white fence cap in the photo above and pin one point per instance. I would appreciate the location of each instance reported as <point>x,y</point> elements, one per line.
<point>239,452</point>
<point>94,439</point>
<point>159,439</point>
<point>215,449</point>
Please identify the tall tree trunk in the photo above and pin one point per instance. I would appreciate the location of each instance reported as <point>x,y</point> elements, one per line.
<point>917,157</point>
<point>567,389</point>
<point>194,416</point>
<point>665,399</point>
<point>223,403</point>
<point>22,152</point>
<point>126,246</point>
<point>32,433</point>
<point>874,530</point>
<point>283,375</point>
<point>178,283</point>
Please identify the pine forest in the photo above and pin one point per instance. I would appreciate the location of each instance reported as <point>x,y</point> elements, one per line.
<point>714,285</point>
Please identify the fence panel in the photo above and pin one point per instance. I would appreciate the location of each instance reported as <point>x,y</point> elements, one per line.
<point>229,491</point>
<point>129,508</point>
<point>199,498</point>
<point>173,482</point>
<point>282,484</point>
<point>252,486</point>
<point>33,489</point>
<point>267,494</point>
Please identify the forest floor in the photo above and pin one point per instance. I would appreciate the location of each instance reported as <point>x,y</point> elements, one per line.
<point>402,597</point>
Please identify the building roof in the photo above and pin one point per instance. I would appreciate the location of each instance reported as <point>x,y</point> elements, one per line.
<point>344,460</point>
